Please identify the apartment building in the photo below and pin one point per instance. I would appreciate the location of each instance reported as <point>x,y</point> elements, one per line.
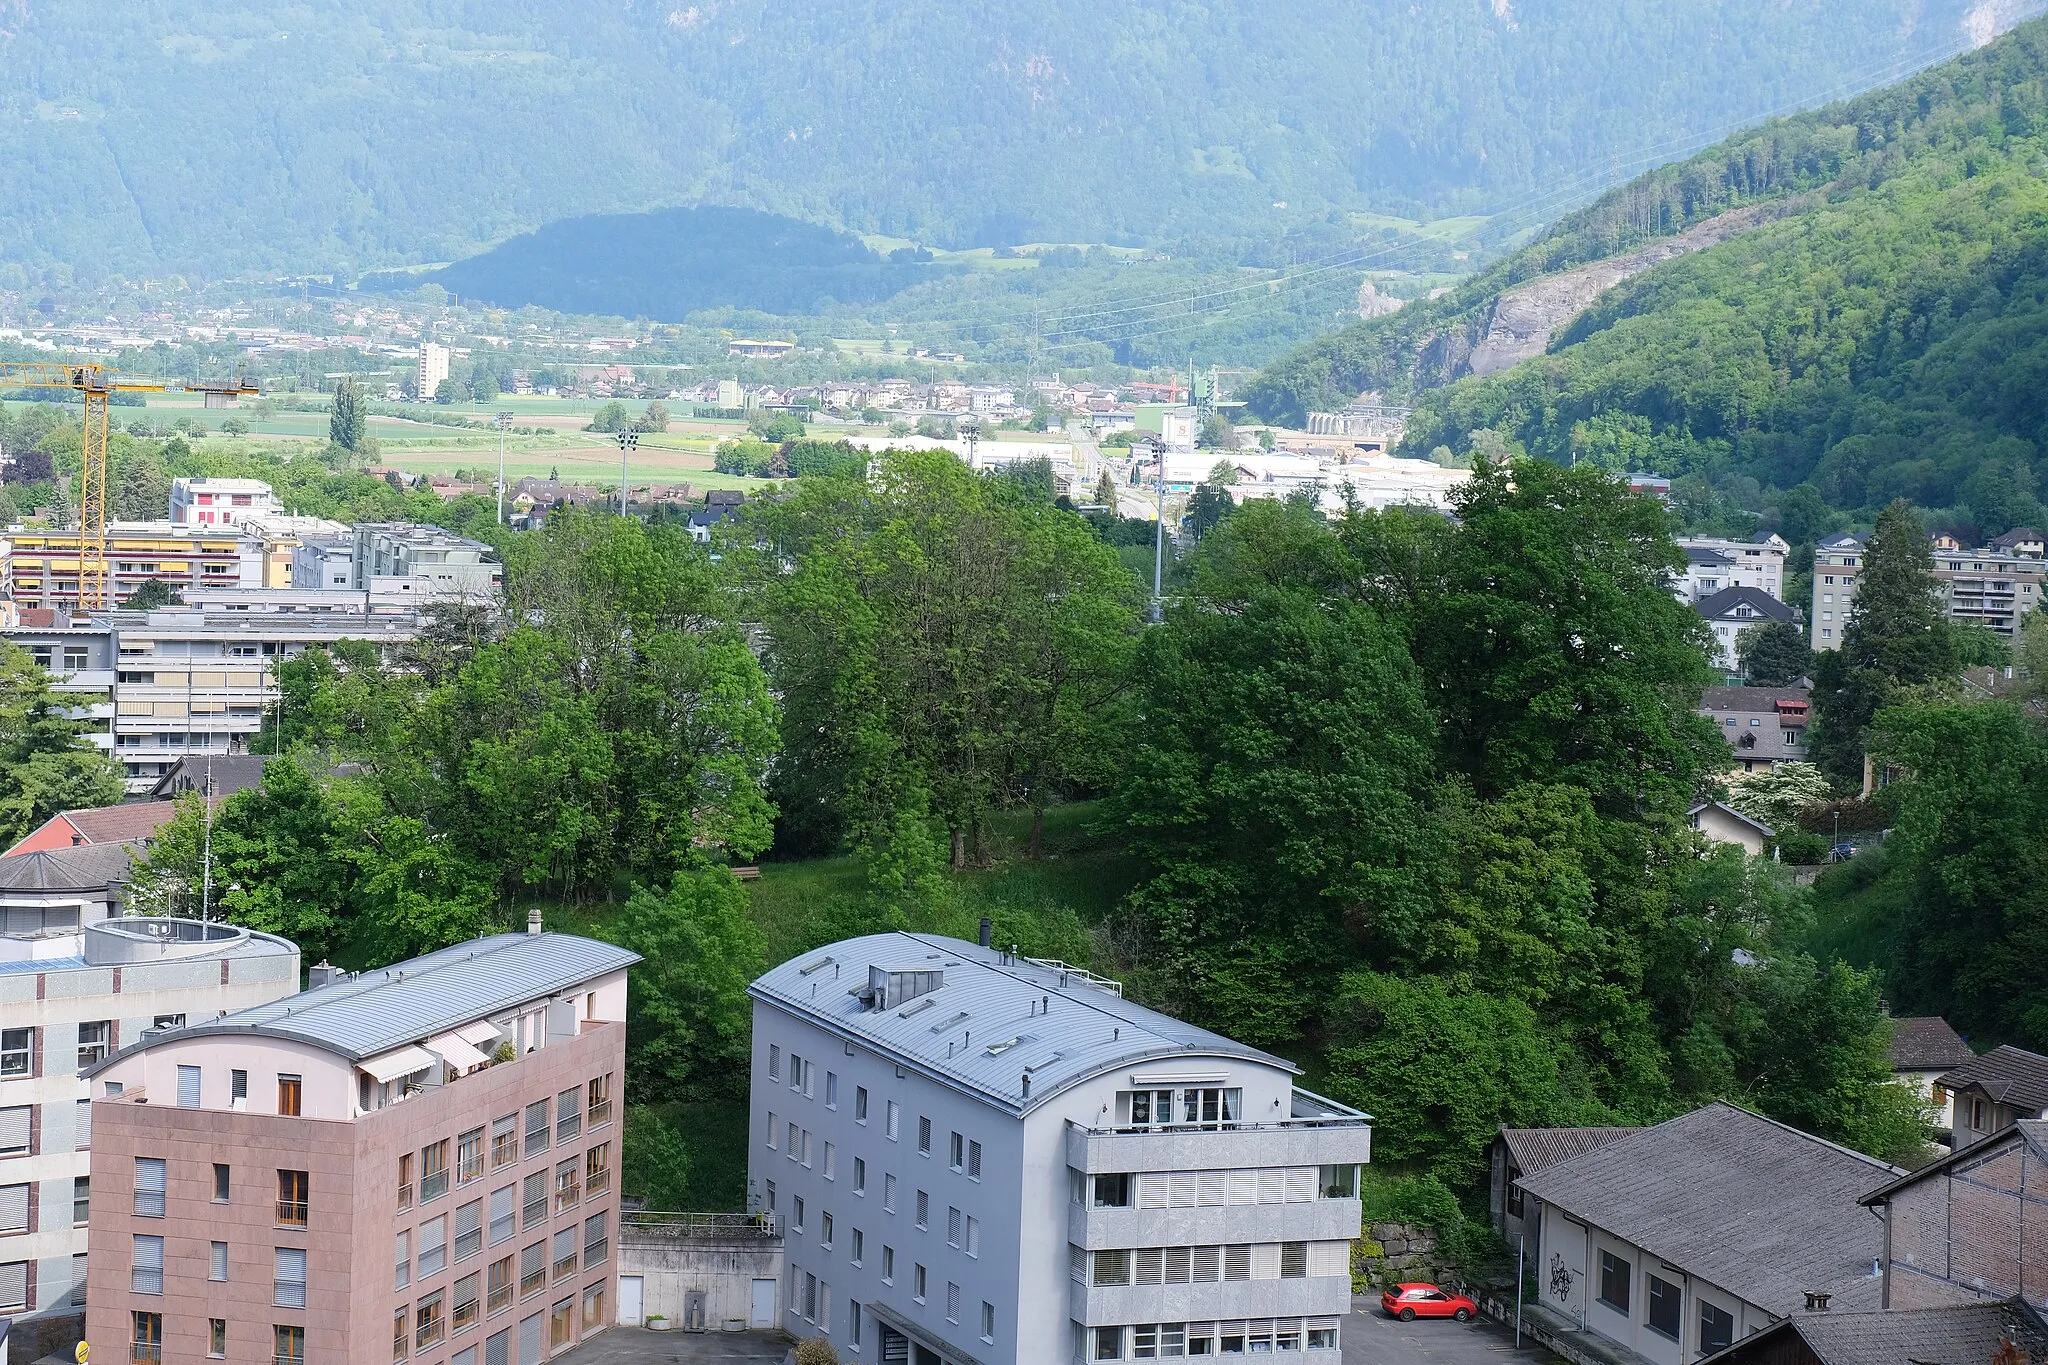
<point>276,539</point>
<point>1837,561</point>
<point>42,565</point>
<point>220,502</point>
<point>1993,587</point>
<point>984,1159</point>
<point>1713,566</point>
<point>75,985</point>
<point>414,1164</point>
<point>401,559</point>
<point>429,370</point>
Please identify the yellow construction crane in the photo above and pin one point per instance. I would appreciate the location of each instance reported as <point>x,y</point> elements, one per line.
<point>96,384</point>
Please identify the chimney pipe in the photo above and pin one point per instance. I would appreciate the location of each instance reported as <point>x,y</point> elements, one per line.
<point>533,922</point>
<point>987,929</point>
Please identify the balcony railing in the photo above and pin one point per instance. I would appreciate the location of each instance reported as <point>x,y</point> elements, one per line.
<point>145,1353</point>
<point>291,1213</point>
<point>707,1225</point>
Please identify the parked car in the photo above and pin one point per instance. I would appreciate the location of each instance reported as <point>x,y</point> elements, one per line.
<point>1411,1301</point>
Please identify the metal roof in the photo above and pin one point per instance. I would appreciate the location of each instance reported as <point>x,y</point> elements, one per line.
<point>994,1022</point>
<point>378,1010</point>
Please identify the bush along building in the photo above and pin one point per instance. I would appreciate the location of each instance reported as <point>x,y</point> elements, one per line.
<point>982,1158</point>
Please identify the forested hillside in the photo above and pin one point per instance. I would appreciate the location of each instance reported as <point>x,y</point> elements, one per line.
<point>167,135</point>
<point>1870,318</point>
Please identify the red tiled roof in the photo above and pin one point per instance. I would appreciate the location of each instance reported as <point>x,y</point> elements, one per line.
<point>119,824</point>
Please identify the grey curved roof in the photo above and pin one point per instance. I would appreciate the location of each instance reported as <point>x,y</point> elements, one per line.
<point>375,1011</point>
<point>994,1020</point>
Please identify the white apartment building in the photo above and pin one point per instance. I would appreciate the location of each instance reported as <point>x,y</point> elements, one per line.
<point>1991,588</point>
<point>72,993</point>
<point>984,1159</point>
<point>399,559</point>
<point>1837,561</point>
<point>1713,566</point>
<point>220,502</point>
<point>431,370</point>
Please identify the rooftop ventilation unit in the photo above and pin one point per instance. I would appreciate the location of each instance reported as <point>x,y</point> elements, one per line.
<point>886,989</point>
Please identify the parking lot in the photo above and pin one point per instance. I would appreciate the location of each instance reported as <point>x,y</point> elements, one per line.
<point>638,1346</point>
<point>1372,1338</point>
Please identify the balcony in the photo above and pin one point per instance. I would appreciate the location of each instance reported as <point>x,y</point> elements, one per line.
<point>1321,1296</point>
<point>1319,1132</point>
<point>1321,1220</point>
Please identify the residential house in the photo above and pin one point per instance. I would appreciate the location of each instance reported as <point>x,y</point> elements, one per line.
<point>218,775</point>
<point>1714,565</point>
<point>2021,542</point>
<point>199,501</point>
<point>2007,1333</point>
<point>1724,824</point>
<point>985,1158</point>
<point>1731,611</point>
<point>1837,562</point>
<point>1517,1216</point>
<point>1992,1092</point>
<point>1675,1242</point>
<point>1922,1051</point>
<point>99,825</point>
<point>1764,726</point>
<point>1970,1227</point>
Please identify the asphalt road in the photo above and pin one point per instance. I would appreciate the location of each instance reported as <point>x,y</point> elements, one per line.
<point>1370,1337</point>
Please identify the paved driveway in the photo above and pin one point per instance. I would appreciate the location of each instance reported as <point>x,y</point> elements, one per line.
<point>1370,1337</point>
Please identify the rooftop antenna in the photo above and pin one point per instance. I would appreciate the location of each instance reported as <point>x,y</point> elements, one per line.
<point>206,858</point>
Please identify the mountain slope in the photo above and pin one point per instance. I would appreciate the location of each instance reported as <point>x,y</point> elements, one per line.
<point>170,135</point>
<point>1874,322</point>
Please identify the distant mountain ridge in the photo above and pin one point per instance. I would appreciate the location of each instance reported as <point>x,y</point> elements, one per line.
<point>233,137</point>
<point>1854,299</point>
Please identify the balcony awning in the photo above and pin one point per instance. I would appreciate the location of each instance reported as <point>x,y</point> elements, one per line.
<point>478,1033</point>
<point>455,1052</point>
<point>391,1065</point>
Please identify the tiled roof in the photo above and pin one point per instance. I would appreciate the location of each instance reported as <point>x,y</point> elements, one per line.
<point>1765,606</point>
<point>378,1010</point>
<point>82,867</point>
<point>2008,1075</point>
<point>1538,1149</point>
<point>1751,698</point>
<point>118,824</point>
<point>1959,1333</point>
<point>1926,1044</point>
<point>1760,1209</point>
<point>972,1035</point>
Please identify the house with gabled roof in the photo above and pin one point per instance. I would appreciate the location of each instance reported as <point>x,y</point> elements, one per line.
<point>1980,1332</point>
<point>1517,1152</point>
<point>1924,1049</point>
<point>1995,1091</point>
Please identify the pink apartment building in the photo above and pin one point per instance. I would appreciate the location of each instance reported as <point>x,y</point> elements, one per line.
<point>415,1164</point>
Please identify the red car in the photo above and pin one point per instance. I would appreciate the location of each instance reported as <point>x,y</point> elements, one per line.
<point>1411,1301</point>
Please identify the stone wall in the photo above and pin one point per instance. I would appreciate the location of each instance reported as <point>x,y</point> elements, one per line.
<point>1394,1253</point>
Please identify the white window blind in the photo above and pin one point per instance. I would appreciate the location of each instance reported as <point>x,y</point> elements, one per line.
<point>13,1208</point>
<point>469,1229</point>
<point>433,1254</point>
<point>1329,1258</point>
<point>504,1204</point>
<point>14,1130</point>
<point>217,1261</point>
<point>147,1274</point>
<point>188,1087</point>
<point>14,1286</point>
<point>291,1277</point>
<point>149,1186</point>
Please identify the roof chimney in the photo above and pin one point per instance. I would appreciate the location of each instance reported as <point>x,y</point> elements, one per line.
<point>533,922</point>
<point>987,930</point>
<point>1816,1301</point>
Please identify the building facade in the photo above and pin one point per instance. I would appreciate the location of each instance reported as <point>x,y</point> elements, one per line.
<point>1764,726</point>
<point>429,370</point>
<point>1730,612</point>
<point>396,558</point>
<point>42,566</point>
<point>1984,588</point>
<point>1971,1227</point>
<point>1837,562</point>
<point>1990,1093</point>
<point>418,1164</point>
<point>74,986</point>
<point>1714,565</point>
<point>981,1158</point>
<point>220,502</point>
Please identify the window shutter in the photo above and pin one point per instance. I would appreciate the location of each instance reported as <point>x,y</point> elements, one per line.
<point>1151,1265</point>
<point>188,1087</point>
<point>1266,1260</point>
<point>498,1349</point>
<point>1152,1190</point>
<point>1208,1265</point>
<point>503,1203</point>
<point>1329,1258</point>
<point>13,1208</point>
<point>1178,1264</point>
<point>1272,1186</point>
<point>1237,1262</point>
<point>14,1130</point>
<point>290,1277</point>
<point>14,1286</point>
<point>1213,1189</point>
<point>1301,1184</point>
<point>529,1341</point>
<point>1181,1190</point>
<point>217,1261</point>
<point>1244,1187</point>
<point>1077,1263</point>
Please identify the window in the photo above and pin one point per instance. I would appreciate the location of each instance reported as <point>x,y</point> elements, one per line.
<point>561,1323</point>
<point>924,1136</point>
<point>149,1187</point>
<point>1614,1281</point>
<point>1322,1334</point>
<point>593,1307</point>
<point>569,1113</point>
<point>891,1120</point>
<point>14,1130</point>
<point>860,1104</point>
<point>796,1072</point>
<point>216,1337</point>
<point>288,1092</point>
<point>221,1182</point>
<point>288,1345</point>
<point>289,1282</point>
<point>796,1218</point>
<point>888,1194</point>
<point>825,1231</point>
<point>831,1162</point>
<point>988,1321</point>
<point>567,1187</point>
<point>433,1253</point>
<point>428,1324</point>
<point>469,1229</point>
<point>467,1298</point>
<point>536,1127</point>
<point>956,1156</point>
<point>94,1041</point>
<point>973,1235</point>
<point>773,1127</point>
<point>953,1227</point>
<point>16,1051</point>
<point>1666,1302</point>
<point>217,1261</point>
<point>888,1265</point>
<point>146,1270</point>
<point>596,1246</point>
<point>1113,1191</point>
<point>1293,1260</point>
<point>504,1213</point>
<point>974,1161</point>
<point>504,1140</point>
<point>81,1200</point>
<point>952,1302</point>
<point>292,1198</point>
<point>405,1181</point>
<point>402,1276</point>
<point>13,1208</point>
<point>469,1156</point>
<point>498,1285</point>
<point>774,1062</point>
<point>831,1090</point>
<point>1717,1329</point>
<point>433,1171</point>
<point>853,1323</point>
<point>924,1209</point>
<point>597,1170</point>
<point>860,1175</point>
<point>917,1282</point>
<point>565,1253</point>
<point>533,1268</point>
<point>600,1101</point>
<point>859,1248</point>
<point>188,1087</point>
<point>1109,1343</point>
<point>146,1338</point>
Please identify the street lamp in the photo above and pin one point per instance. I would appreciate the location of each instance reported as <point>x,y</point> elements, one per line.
<point>627,441</point>
<point>504,421</point>
<point>970,431</point>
